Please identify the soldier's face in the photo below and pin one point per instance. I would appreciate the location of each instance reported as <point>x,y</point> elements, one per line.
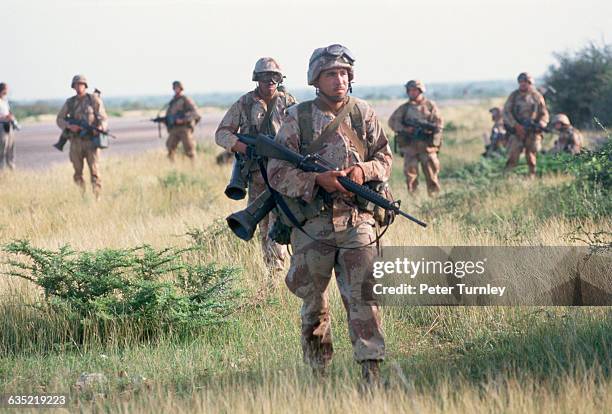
<point>177,89</point>
<point>80,88</point>
<point>413,93</point>
<point>4,92</point>
<point>558,126</point>
<point>266,87</point>
<point>334,82</point>
<point>524,86</point>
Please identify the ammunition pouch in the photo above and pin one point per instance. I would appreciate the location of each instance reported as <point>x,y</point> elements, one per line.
<point>280,232</point>
<point>383,217</point>
<point>100,140</point>
<point>302,211</point>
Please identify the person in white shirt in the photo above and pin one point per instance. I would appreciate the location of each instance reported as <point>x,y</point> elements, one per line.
<point>7,142</point>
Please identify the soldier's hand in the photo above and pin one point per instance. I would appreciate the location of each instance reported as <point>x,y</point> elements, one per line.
<point>410,129</point>
<point>179,121</point>
<point>240,147</point>
<point>329,181</point>
<point>520,131</point>
<point>356,174</point>
<point>74,128</point>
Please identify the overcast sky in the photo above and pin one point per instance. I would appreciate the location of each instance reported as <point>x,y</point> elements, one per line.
<point>137,47</point>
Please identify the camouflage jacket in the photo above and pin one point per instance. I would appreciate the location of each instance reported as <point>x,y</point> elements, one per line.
<point>570,140</point>
<point>339,151</point>
<point>89,107</point>
<point>422,111</point>
<point>524,107</point>
<point>247,114</point>
<point>185,105</point>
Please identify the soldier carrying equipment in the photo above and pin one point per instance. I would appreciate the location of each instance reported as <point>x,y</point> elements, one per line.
<point>243,223</point>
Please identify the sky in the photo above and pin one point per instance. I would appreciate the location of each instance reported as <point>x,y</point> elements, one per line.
<point>138,47</point>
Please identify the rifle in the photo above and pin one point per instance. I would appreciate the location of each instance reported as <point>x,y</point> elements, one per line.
<point>243,223</point>
<point>7,125</point>
<point>530,127</point>
<point>85,129</point>
<point>168,120</point>
<point>422,129</point>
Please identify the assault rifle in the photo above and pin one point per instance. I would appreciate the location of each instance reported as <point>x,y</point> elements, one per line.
<point>7,125</point>
<point>243,223</point>
<point>422,129</point>
<point>86,129</point>
<point>168,120</point>
<point>530,126</point>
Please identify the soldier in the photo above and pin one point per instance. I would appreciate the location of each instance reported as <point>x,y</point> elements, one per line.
<point>526,115</point>
<point>336,233</point>
<point>570,139</point>
<point>89,108</point>
<point>7,123</point>
<point>418,127</point>
<point>258,111</point>
<point>183,112</point>
<point>497,139</point>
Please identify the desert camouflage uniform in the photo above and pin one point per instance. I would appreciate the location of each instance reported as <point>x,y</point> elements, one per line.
<point>497,138</point>
<point>246,116</point>
<point>521,108</point>
<point>184,132</point>
<point>91,108</point>
<point>570,141</point>
<point>417,151</point>
<point>339,223</point>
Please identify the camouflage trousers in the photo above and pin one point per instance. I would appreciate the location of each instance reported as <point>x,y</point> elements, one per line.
<point>311,269</point>
<point>83,149</point>
<point>274,254</point>
<point>7,149</point>
<point>531,144</point>
<point>184,135</point>
<point>419,152</point>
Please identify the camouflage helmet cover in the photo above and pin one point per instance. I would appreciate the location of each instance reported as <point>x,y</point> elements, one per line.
<point>562,118</point>
<point>78,79</point>
<point>330,57</point>
<point>524,76</point>
<point>415,83</point>
<point>266,64</point>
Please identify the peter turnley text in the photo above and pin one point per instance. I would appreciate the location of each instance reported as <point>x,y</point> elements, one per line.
<point>425,289</point>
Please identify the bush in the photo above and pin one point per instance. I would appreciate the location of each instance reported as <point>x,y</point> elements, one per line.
<point>584,85</point>
<point>157,290</point>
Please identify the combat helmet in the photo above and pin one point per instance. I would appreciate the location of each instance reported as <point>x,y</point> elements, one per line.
<point>78,79</point>
<point>179,84</point>
<point>266,64</point>
<point>415,83</point>
<point>333,56</point>
<point>524,76</point>
<point>562,118</point>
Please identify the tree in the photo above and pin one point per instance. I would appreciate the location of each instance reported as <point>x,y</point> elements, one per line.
<point>583,81</point>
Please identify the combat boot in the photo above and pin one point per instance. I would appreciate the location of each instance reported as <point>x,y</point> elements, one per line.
<point>370,372</point>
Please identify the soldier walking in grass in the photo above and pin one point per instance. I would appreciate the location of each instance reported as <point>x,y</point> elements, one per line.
<point>336,235</point>
<point>418,128</point>
<point>570,139</point>
<point>89,109</point>
<point>181,118</point>
<point>7,126</point>
<point>258,111</point>
<point>526,116</point>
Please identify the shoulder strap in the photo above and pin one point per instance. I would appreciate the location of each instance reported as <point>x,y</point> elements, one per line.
<point>266,124</point>
<point>304,112</point>
<point>331,128</point>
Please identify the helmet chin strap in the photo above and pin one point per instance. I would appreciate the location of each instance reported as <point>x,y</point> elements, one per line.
<point>335,98</point>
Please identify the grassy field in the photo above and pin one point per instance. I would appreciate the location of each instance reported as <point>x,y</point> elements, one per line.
<point>440,359</point>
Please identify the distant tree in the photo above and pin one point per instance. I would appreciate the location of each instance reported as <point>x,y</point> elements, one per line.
<point>583,81</point>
